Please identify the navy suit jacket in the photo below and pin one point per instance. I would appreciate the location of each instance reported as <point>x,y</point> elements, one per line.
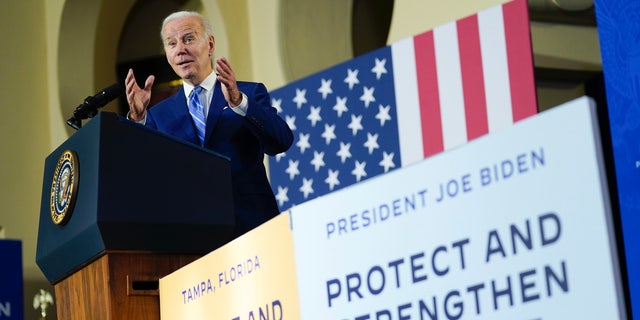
<point>244,140</point>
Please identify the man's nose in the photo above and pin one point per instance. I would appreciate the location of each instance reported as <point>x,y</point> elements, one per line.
<point>181,48</point>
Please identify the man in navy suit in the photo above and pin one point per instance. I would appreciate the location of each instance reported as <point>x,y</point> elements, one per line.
<point>240,121</point>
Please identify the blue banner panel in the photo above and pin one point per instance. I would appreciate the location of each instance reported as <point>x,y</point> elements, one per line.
<point>619,31</point>
<point>11,305</point>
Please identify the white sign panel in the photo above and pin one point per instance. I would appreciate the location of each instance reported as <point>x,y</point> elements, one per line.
<point>514,225</point>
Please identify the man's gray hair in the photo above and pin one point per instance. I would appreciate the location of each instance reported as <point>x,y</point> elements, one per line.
<point>181,14</point>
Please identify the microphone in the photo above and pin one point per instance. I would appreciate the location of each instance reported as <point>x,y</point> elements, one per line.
<point>89,108</point>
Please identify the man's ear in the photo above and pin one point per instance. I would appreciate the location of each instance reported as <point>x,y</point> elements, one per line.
<point>212,45</point>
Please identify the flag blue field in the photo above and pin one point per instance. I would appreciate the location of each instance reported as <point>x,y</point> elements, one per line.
<point>345,128</point>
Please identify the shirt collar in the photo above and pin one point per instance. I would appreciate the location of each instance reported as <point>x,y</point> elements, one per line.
<point>208,84</point>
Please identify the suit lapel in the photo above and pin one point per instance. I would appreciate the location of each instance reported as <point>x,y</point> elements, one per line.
<point>187,130</point>
<point>215,109</point>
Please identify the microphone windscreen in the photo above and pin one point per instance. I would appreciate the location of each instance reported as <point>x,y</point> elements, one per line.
<point>111,92</point>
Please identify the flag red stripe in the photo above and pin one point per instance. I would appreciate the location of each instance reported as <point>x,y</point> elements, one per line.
<point>429,98</point>
<point>520,60</point>
<point>472,77</point>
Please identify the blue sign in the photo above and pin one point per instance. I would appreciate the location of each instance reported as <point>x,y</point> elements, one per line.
<point>11,305</point>
<point>619,31</point>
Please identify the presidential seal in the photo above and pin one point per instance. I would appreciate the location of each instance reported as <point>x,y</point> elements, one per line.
<point>64,187</point>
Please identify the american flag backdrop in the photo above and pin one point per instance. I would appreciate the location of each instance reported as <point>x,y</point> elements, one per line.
<point>402,103</point>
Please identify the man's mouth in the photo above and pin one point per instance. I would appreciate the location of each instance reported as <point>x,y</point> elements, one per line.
<point>184,62</point>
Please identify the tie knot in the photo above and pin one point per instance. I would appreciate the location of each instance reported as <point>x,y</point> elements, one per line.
<point>198,89</point>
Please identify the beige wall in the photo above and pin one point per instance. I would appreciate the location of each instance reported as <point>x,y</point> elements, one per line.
<point>57,52</point>
<point>24,124</point>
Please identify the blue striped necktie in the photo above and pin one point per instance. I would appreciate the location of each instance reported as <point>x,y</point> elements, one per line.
<point>197,112</point>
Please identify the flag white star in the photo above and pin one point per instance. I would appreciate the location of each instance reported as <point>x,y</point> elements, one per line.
<point>325,88</point>
<point>292,169</point>
<point>352,78</point>
<point>332,179</point>
<point>277,103</point>
<point>387,161</point>
<point>372,142</point>
<point>280,156</point>
<point>379,69</point>
<point>307,187</point>
<point>344,152</point>
<point>383,114</point>
<point>291,122</point>
<point>318,160</point>
<point>367,96</point>
<point>300,98</point>
<point>356,124</point>
<point>303,142</point>
<point>282,195</point>
<point>329,133</point>
<point>314,115</point>
<point>340,106</point>
<point>359,171</point>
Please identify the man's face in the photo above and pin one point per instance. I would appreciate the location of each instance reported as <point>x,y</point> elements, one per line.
<point>188,49</point>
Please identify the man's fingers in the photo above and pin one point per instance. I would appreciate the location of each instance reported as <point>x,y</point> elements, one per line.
<point>129,77</point>
<point>223,67</point>
<point>224,80</point>
<point>149,83</point>
<point>227,77</point>
<point>221,71</point>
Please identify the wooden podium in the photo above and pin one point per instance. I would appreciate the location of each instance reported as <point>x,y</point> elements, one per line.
<point>123,206</point>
